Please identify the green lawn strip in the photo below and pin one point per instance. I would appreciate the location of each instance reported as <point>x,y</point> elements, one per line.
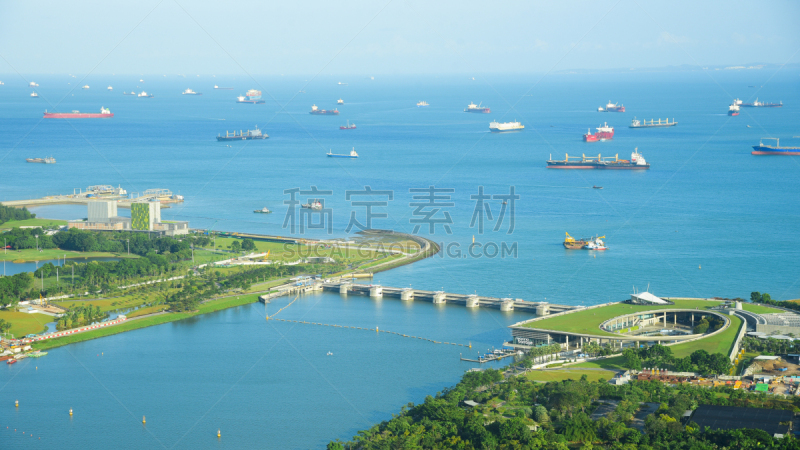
<point>617,362</point>
<point>588,321</point>
<point>23,324</point>
<point>46,223</point>
<point>146,310</point>
<point>720,343</point>
<point>292,252</point>
<point>210,306</point>
<point>568,374</point>
<point>31,254</point>
<point>760,309</point>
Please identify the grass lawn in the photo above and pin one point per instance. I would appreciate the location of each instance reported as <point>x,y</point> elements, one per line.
<point>588,321</point>
<point>568,374</point>
<point>23,323</point>
<point>146,310</point>
<point>45,223</point>
<point>616,362</point>
<point>293,252</point>
<point>31,254</point>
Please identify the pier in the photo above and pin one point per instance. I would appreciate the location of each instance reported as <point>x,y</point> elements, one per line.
<point>100,193</point>
<point>489,357</point>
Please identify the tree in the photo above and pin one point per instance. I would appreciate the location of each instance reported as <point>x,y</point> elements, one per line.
<point>632,359</point>
<point>248,245</point>
<point>540,415</point>
<point>236,247</point>
<point>755,297</point>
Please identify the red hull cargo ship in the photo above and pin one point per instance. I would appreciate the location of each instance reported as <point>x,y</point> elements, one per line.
<point>603,132</point>
<point>103,114</point>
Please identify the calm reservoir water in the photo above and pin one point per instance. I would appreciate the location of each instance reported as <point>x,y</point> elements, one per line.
<point>708,219</point>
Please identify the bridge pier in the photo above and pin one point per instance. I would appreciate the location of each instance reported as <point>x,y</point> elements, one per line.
<point>376,291</point>
<point>407,294</point>
<point>344,287</point>
<point>542,310</point>
<point>507,305</point>
<point>439,297</point>
<point>473,301</point>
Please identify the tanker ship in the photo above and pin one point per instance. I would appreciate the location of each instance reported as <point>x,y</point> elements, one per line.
<point>758,104</point>
<point>103,114</point>
<point>251,134</point>
<point>251,96</point>
<point>323,112</point>
<point>604,132</point>
<point>599,162</point>
<point>611,107</point>
<point>473,108</point>
<point>776,149</point>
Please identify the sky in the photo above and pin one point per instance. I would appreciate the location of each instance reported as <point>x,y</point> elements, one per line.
<point>390,37</point>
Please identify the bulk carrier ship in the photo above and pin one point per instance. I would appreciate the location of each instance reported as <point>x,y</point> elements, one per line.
<point>635,123</point>
<point>603,133</point>
<point>757,104</point>
<point>323,112</point>
<point>103,114</point>
<point>776,149</point>
<point>251,134</point>
<point>599,162</point>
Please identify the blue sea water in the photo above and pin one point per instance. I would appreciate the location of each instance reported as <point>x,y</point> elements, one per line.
<point>708,219</point>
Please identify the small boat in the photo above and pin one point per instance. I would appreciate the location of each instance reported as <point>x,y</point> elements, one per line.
<point>422,103</point>
<point>34,95</point>
<point>85,86</point>
<point>596,244</point>
<point>352,154</point>
<point>145,95</point>
<point>342,84</point>
<point>11,361</point>
<point>340,102</point>
<point>330,353</point>
<point>597,187</point>
<point>110,88</point>
<point>223,88</point>
<point>263,210</point>
<point>191,92</point>
<point>33,84</point>
<point>315,205</point>
<point>348,127</point>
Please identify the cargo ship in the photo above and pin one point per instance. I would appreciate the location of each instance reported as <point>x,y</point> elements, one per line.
<point>350,126</point>
<point>103,114</point>
<point>48,160</point>
<point>758,104</point>
<point>340,102</point>
<point>145,95</point>
<point>251,96</point>
<point>473,108</point>
<point>352,154</point>
<point>422,104</point>
<point>110,88</point>
<point>323,112</point>
<point>574,244</point>
<point>85,87</point>
<point>603,133</point>
<point>191,92</point>
<point>33,84</point>
<point>315,205</point>
<point>611,107</point>
<point>263,210</point>
<point>223,88</point>
<point>497,127</point>
<point>34,95</point>
<point>249,135</point>
<point>635,123</point>
<point>599,162</point>
<point>762,149</point>
<point>596,244</point>
<point>733,110</point>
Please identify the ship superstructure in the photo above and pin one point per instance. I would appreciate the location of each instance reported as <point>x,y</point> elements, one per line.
<point>473,108</point>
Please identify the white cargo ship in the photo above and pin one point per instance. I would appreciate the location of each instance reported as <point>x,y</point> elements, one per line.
<point>497,127</point>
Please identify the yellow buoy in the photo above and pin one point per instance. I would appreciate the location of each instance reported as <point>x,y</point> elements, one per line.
<point>699,267</point>
<point>376,329</point>
<point>219,434</point>
<point>143,421</point>
<point>70,411</point>
<point>16,403</point>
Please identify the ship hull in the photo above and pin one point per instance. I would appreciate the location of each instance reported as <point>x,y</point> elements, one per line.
<point>620,109</point>
<point>324,113</point>
<point>347,128</point>
<point>758,150</point>
<point>479,110</point>
<point>761,106</point>
<point>498,130</point>
<point>598,137</point>
<point>240,138</point>
<point>250,101</point>
<point>77,116</point>
<point>342,156</point>
<point>731,113</point>
<point>657,125</point>
<point>577,245</point>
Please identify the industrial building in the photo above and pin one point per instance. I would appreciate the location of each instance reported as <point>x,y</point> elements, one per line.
<point>145,217</point>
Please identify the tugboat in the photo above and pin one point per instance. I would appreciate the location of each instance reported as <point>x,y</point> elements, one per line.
<point>473,108</point>
<point>323,112</point>
<point>422,104</point>
<point>574,244</point>
<point>612,107</point>
<point>603,133</point>
<point>263,210</point>
<point>352,154</point>
<point>596,244</point>
<point>251,134</point>
<point>348,127</point>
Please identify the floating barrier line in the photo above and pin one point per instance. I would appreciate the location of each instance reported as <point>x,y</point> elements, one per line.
<point>359,328</point>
